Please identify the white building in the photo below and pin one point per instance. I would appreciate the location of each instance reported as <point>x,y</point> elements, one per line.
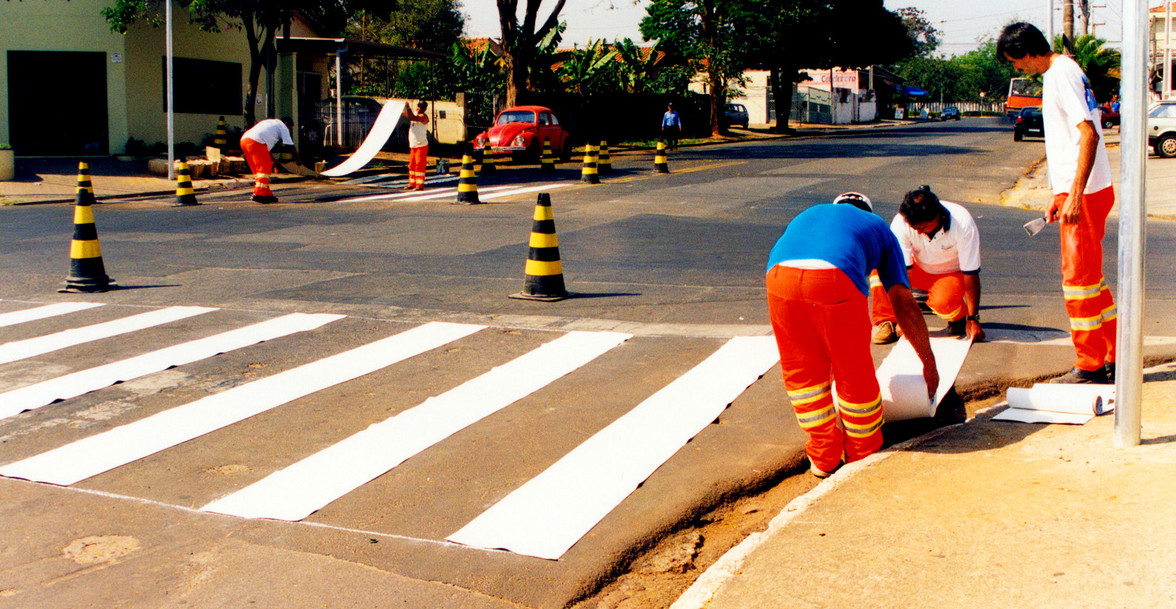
<point>1162,41</point>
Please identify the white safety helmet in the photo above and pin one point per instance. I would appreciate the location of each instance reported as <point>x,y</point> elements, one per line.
<point>855,199</point>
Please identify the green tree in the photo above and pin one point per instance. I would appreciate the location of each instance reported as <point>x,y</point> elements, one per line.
<point>821,34</point>
<point>477,70</point>
<point>1100,64</point>
<point>520,40</point>
<point>710,34</point>
<point>430,25</point>
<point>649,70</point>
<point>582,69</point>
<point>260,20</point>
<point>544,75</point>
<point>924,37</point>
<point>986,73</point>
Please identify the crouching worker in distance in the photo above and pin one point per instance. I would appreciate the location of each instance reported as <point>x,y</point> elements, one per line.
<point>941,250</point>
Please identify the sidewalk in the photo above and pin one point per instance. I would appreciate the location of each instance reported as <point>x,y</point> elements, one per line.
<point>55,180</point>
<point>985,514</point>
<point>1032,191</point>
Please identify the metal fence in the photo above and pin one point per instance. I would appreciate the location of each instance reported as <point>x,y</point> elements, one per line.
<point>916,108</point>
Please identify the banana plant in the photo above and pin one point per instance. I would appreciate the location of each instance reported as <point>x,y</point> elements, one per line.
<point>582,66</point>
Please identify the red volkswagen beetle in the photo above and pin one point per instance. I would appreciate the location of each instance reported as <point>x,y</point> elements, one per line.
<point>520,130</point>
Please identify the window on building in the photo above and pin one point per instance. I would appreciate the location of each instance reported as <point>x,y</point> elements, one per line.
<point>201,86</point>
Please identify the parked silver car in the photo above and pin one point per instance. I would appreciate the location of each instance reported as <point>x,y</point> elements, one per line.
<point>1161,128</point>
<point>736,115</point>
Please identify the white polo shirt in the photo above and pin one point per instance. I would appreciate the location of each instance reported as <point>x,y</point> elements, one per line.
<point>270,132</point>
<point>949,251</point>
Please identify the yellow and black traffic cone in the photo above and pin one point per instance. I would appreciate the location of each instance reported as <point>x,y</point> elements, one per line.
<point>85,192</point>
<point>588,173</point>
<point>220,140</point>
<point>86,271</point>
<point>547,163</point>
<point>488,167</point>
<point>660,165</point>
<point>544,272</point>
<point>185,195</point>
<point>467,183</point>
<point>604,164</point>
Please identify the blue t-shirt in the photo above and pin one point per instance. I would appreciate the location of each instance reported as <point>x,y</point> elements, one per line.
<point>846,237</point>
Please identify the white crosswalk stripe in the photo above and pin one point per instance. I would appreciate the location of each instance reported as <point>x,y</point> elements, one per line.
<point>543,517</point>
<point>31,347</point>
<point>96,454</point>
<point>19,317</point>
<point>297,491</point>
<point>484,194</point>
<point>71,385</point>
<point>551,512</point>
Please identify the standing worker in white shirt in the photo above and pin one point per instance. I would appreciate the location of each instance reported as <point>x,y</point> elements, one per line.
<point>257,144</point>
<point>941,248</point>
<point>1080,176</point>
<point>418,145</point>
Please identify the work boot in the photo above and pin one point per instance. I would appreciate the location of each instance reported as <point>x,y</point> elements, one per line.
<point>1078,376</point>
<point>820,473</point>
<point>958,327</point>
<point>1109,369</point>
<point>884,333</point>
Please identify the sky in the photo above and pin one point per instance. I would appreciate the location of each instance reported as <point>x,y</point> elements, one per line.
<point>962,23</point>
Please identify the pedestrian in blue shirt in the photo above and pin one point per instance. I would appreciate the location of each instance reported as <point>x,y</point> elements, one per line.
<point>671,126</point>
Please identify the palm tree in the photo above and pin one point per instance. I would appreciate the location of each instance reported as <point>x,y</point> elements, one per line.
<point>1100,64</point>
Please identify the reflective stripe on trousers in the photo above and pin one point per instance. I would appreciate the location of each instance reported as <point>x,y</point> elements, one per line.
<point>1089,302</point>
<point>945,294</point>
<point>418,162</point>
<point>822,327</point>
<point>260,163</point>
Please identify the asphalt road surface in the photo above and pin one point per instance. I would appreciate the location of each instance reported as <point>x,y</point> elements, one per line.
<point>672,264</point>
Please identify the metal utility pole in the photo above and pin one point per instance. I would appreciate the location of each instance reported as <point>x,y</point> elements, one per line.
<point>1167,51</point>
<point>338,98</point>
<point>171,124</point>
<point>1132,225</point>
<point>1049,21</point>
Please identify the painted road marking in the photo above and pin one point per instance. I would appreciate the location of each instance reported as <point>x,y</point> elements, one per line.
<point>19,317</point>
<point>30,347</point>
<point>551,512</point>
<point>85,381</point>
<point>122,445</point>
<point>298,491</point>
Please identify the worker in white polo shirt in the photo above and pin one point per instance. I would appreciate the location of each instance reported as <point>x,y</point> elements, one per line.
<point>941,247</point>
<point>258,144</point>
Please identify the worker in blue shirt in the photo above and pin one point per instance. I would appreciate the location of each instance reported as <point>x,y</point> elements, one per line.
<point>817,300</point>
<point>671,126</point>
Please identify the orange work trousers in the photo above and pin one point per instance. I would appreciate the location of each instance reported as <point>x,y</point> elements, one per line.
<point>945,294</point>
<point>1089,303</point>
<point>822,326</point>
<point>418,162</point>
<point>260,163</point>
